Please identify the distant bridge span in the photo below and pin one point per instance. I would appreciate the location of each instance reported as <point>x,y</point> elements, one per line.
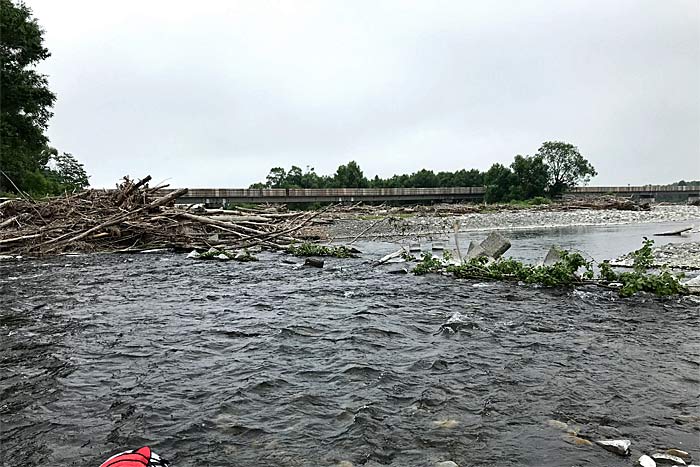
<point>223,196</point>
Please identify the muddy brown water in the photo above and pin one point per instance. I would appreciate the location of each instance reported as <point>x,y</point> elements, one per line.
<point>230,364</point>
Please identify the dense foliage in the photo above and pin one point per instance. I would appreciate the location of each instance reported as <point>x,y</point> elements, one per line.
<point>314,249</point>
<point>27,163</point>
<point>570,270</point>
<point>556,167</point>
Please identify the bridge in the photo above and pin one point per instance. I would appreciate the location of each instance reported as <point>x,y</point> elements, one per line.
<point>222,196</point>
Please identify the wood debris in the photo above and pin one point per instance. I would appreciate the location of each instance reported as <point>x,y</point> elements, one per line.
<point>134,218</point>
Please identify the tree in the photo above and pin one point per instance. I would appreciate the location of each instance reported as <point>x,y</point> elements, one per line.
<point>565,165</point>
<point>25,100</point>
<point>499,181</point>
<point>276,177</point>
<point>531,177</point>
<point>350,176</point>
<point>67,171</point>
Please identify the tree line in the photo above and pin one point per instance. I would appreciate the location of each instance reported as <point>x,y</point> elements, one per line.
<point>27,163</point>
<point>556,167</point>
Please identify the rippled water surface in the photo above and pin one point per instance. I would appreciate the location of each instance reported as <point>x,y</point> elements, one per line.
<point>239,364</point>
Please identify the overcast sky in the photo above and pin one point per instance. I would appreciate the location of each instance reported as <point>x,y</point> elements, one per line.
<point>215,93</point>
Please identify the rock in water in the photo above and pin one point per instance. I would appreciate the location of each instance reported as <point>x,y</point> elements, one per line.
<point>495,245</point>
<point>678,453</point>
<point>223,257</point>
<point>668,459</point>
<point>446,464</point>
<point>618,446</point>
<point>194,254</point>
<point>314,262</point>
<point>646,461</point>
<point>397,270</point>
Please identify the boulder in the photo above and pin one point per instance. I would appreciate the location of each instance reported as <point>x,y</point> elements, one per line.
<point>446,464</point>
<point>194,254</point>
<point>618,446</point>
<point>495,245</point>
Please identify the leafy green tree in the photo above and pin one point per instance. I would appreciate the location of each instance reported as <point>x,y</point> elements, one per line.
<point>67,172</point>
<point>25,100</point>
<point>276,177</point>
<point>531,176</point>
<point>499,181</point>
<point>424,179</point>
<point>350,176</point>
<point>566,166</point>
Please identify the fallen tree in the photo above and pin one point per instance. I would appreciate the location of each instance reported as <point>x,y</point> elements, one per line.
<point>135,217</point>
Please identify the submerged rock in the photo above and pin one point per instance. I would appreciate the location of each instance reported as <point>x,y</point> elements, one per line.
<point>618,446</point>
<point>314,262</point>
<point>446,464</point>
<point>446,423</point>
<point>194,254</point>
<point>397,269</point>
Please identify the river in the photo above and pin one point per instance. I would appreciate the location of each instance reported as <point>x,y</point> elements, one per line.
<point>246,364</point>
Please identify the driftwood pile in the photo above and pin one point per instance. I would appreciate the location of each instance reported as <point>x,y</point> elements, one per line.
<point>603,202</point>
<point>135,217</point>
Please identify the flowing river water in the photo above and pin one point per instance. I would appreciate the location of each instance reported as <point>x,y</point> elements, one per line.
<point>246,364</point>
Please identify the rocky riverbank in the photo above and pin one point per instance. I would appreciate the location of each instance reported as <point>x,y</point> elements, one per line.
<point>413,226</point>
<point>684,255</point>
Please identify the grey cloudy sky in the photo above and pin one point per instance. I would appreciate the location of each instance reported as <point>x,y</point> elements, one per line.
<point>214,93</point>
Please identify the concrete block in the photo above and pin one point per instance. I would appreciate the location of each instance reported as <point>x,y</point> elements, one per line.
<point>495,245</point>
<point>553,256</point>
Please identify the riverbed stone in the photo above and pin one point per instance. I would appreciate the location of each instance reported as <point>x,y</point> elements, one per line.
<point>618,446</point>
<point>446,464</point>
<point>495,245</point>
<point>194,254</point>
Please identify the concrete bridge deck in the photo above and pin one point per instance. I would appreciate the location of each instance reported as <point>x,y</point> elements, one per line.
<point>223,196</point>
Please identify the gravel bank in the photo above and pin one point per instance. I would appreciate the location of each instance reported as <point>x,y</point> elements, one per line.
<point>345,229</point>
<point>673,255</point>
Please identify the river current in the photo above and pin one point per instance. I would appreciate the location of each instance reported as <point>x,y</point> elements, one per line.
<point>247,364</point>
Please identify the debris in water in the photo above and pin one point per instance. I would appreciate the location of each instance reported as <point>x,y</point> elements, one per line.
<point>646,461</point>
<point>662,458</point>
<point>553,256</point>
<point>314,262</point>
<point>673,232</point>
<point>618,446</point>
<point>678,453</point>
<point>495,245</point>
